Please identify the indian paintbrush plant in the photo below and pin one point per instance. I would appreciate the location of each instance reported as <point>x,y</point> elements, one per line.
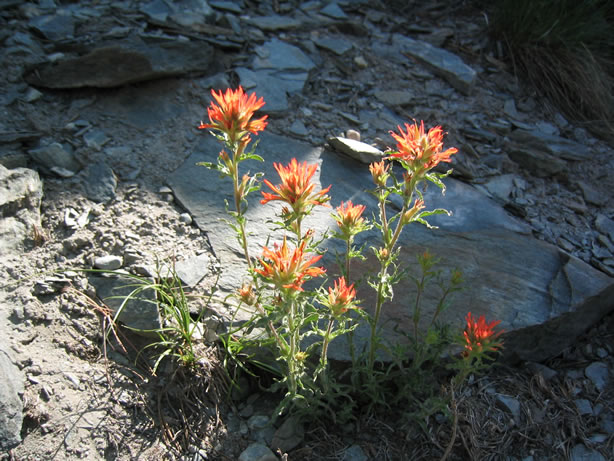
<point>298,323</point>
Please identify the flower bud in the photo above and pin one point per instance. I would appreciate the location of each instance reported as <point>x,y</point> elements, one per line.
<point>379,172</point>
<point>413,211</point>
<point>247,295</point>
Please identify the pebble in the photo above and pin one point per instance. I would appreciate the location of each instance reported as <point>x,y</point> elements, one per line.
<point>605,225</point>
<point>108,262</point>
<point>289,435</point>
<point>581,453</point>
<point>257,452</point>
<point>547,372</point>
<point>353,134</point>
<point>510,404</point>
<point>185,218</point>
<point>361,62</point>
<point>256,422</point>
<point>95,139</point>
<point>354,453</point>
<point>598,373</point>
<point>298,128</point>
<point>584,407</point>
<point>32,95</point>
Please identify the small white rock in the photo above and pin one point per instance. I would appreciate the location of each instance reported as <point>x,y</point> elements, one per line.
<point>108,262</point>
<point>352,134</point>
<point>185,218</point>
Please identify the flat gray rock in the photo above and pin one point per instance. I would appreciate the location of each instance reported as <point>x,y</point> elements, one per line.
<point>54,156</point>
<point>274,86</point>
<point>334,11</point>
<point>257,452</point>
<point>339,46</point>
<point>100,182</point>
<point>395,97</point>
<point>192,270</point>
<point>279,55</point>
<point>543,297</point>
<point>139,311</point>
<point>54,26</point>
<point>21,192</point>
<point>553,145</point>
<point>358,150</point>
<point>539,162</point>
<point>273,23</point>
<point>122,62</point>
<point>442,62</point>
<point>11,405</point>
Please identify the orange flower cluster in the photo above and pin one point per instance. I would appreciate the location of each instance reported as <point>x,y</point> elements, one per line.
<point>296,188</point>
<point>288,269</point>
<point>420,151</point>
<point>480,336</point>
<point>341,297</point>
<point>349,218</point>
<point>233,115</point>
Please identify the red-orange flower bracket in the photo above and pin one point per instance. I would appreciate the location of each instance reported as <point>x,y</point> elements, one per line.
<point>296,188</point>
<point>420,151</point>
<point>288,269</point>
<point>232,115</point>
<point>480,336</point>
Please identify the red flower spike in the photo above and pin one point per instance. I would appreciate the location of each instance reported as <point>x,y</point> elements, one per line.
<point>480,336</point>
<point>288,269</point>
<point>349,218</point>
<point>420,151</point>
<point>341,297</point>
<point>233,114</point>
<point>296,188</point>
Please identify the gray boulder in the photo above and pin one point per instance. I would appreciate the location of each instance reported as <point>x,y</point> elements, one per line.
<point>136,310</point>
<point>11,405</point>
<point>119,63</point>
<point>21,192</point>
<point>443,63</point>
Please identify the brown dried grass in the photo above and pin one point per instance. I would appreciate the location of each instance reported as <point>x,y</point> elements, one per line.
<point>574,80</point>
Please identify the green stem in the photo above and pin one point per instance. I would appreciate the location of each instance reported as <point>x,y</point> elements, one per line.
<point>347,260</point>
<point>383,218</point>
<point>292,385</point>
<point>378,310</point>
<point>281,344</point>
<point>416,317</point>
<point>324,357</point>
<point>237,151</point>
<point>389,245</point>
<point>439,307</point>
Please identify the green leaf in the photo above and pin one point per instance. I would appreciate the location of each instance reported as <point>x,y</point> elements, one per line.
<point>436,178</point>
<point>436,211</point>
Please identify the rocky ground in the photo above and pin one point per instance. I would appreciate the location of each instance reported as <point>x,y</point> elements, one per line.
<point>104,155</point>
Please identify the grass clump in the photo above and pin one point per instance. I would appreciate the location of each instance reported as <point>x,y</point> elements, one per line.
<point>565,49</point>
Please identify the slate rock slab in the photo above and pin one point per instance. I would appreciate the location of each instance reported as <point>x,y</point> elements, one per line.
<point>556,146</point>
<point>358,150</point>
<point>21,192</point>
<point>543,297</point>
<point>122,62</point>
<point>11,405</point>
<point>100,182</point>
<point>56,158</point>
<point>278,69</point>
<point>445,64</point>
<point>54,26</point>
<point>140,311</point>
